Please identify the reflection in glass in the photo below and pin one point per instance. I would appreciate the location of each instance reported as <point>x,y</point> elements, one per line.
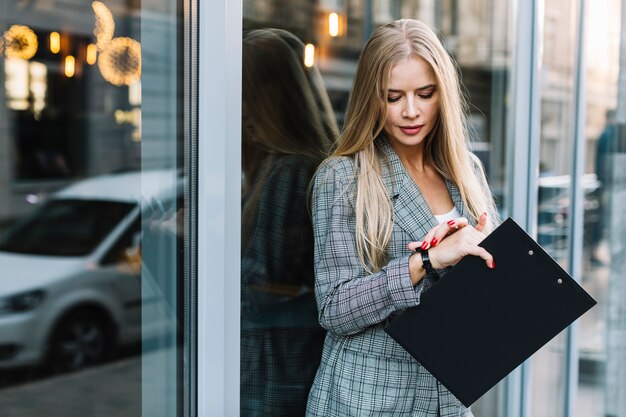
<point>65,227</point>
<point>288,128</point>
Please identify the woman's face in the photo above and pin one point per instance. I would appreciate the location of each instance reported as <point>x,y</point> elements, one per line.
<point>412,102</point>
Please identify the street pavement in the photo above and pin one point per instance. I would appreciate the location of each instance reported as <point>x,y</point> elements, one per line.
<point>111,390</point>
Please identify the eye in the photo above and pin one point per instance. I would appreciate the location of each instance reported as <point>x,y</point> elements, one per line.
<point>393,99</point>
<point>427,95</point>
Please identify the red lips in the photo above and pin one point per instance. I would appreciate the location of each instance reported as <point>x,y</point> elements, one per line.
<point>411,130</point>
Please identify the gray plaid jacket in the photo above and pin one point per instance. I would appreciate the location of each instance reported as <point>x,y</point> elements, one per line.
<point>363,371</point>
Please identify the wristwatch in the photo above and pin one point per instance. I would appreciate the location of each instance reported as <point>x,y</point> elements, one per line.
<point>428,267</point>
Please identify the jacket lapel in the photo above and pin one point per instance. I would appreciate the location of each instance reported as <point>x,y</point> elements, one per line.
<point>455,194</point>
<point>411,211</point>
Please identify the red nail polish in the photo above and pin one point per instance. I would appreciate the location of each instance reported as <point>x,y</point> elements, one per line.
<point>424,245</point>
<point>433,242</point>
<point>451,223</point>
<point>493,265</point>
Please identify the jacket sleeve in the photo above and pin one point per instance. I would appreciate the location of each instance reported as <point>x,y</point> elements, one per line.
<point>348,299</point>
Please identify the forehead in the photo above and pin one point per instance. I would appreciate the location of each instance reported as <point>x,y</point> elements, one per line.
<point>411,73</point>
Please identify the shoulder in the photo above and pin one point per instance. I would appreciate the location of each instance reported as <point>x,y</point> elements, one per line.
<point>335,180</point>
<point>294,163</point>
<point>337,169</point>
<point>290,169</point>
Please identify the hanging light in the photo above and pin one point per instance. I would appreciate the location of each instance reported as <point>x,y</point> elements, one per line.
<point>70,66</point>
<point>92,54</point>
<point>333,24</point>
<point>55,42</point>
<point>20,42</point>
<point>120,62</point>
<point>105,24</point>
<point>309,55</point>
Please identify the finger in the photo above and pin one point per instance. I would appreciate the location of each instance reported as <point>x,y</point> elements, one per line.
<point>486,256</point>
<point>427,240</point>
<point>442,231</point>
<point>460,222</point>
<point>482,222</point>
<point>445,229</point>
<point>450,227</point>
<point>412,246</point>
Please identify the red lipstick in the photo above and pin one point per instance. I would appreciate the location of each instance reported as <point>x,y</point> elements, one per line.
<point>411,130</point>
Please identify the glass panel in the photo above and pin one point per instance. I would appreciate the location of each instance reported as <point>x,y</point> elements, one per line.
<point>602,386</point>
<point>277,362</point>
<point>91,207</point>
<point>556,89</point>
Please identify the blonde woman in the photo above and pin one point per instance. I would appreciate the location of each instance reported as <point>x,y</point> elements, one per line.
<point>401,174</point>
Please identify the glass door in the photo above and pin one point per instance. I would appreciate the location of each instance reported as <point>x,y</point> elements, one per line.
<point>94,190</point>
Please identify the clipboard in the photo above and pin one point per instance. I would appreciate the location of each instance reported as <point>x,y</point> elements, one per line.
<point>475,325</point>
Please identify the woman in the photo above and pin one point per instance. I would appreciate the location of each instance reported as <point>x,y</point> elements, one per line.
<point>288,128</point>
<point>402,172</point>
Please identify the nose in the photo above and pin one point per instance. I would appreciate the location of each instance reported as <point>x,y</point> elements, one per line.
<point>410,110</point>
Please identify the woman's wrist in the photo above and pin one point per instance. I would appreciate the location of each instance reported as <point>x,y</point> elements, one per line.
<point>416,268</point>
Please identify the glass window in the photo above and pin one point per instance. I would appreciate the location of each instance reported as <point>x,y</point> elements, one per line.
<point>601,342</point>
<point>92,185</point>
<point>556,142</point>
<point>280,339</point>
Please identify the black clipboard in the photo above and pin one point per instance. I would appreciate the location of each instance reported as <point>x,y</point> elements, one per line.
<point>475,325</point>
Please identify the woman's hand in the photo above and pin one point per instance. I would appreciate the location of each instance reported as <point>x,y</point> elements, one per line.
<point>449,242</point>
<point>462,243</point>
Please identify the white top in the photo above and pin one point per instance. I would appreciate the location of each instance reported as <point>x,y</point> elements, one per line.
<point>453,214</point>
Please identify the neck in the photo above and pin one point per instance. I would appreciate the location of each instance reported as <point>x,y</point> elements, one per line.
<point>412,157</point>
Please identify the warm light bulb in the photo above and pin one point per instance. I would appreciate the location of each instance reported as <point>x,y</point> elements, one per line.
<point>333,24</point>
<point>55,42</point>
<point>309,55</point>
<point>70,66</point>
<point>20,42</point>
<point>92,53</point>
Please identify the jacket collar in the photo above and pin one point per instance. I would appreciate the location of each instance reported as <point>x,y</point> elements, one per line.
<point>411,212</point>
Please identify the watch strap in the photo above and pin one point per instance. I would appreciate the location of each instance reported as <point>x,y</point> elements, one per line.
<point>427,265</point>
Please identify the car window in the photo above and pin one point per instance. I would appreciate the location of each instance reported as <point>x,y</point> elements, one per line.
<point>65,227</point>
<point>126,241</point>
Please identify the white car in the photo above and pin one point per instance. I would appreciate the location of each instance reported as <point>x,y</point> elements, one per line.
<point>71,277</point>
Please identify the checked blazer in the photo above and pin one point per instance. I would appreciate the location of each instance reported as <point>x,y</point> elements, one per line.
<point>363,371</point>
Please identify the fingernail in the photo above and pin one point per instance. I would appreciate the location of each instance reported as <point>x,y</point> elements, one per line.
<point>484,213</point>
<point>433,242</point>
<point>424,245</point>
<point>493,264</point>
<point>451,223</point>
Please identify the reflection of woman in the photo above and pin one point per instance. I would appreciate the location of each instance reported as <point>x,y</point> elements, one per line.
<point>288,128</point>
<point>401,173</point>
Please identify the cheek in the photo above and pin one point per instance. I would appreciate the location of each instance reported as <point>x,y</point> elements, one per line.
<point>393,113</point>
<point>433,110</point>
<point>388,116</point>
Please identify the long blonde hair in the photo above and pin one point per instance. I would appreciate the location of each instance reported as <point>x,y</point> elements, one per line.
<point>446,147</point>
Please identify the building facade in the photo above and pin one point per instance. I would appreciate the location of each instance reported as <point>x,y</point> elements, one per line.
<point>93,91</point>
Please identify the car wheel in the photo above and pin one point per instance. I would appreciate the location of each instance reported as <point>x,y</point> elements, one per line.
<point>80,340</point>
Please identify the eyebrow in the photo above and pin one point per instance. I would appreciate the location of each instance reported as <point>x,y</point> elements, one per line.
<point>426,87</point>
